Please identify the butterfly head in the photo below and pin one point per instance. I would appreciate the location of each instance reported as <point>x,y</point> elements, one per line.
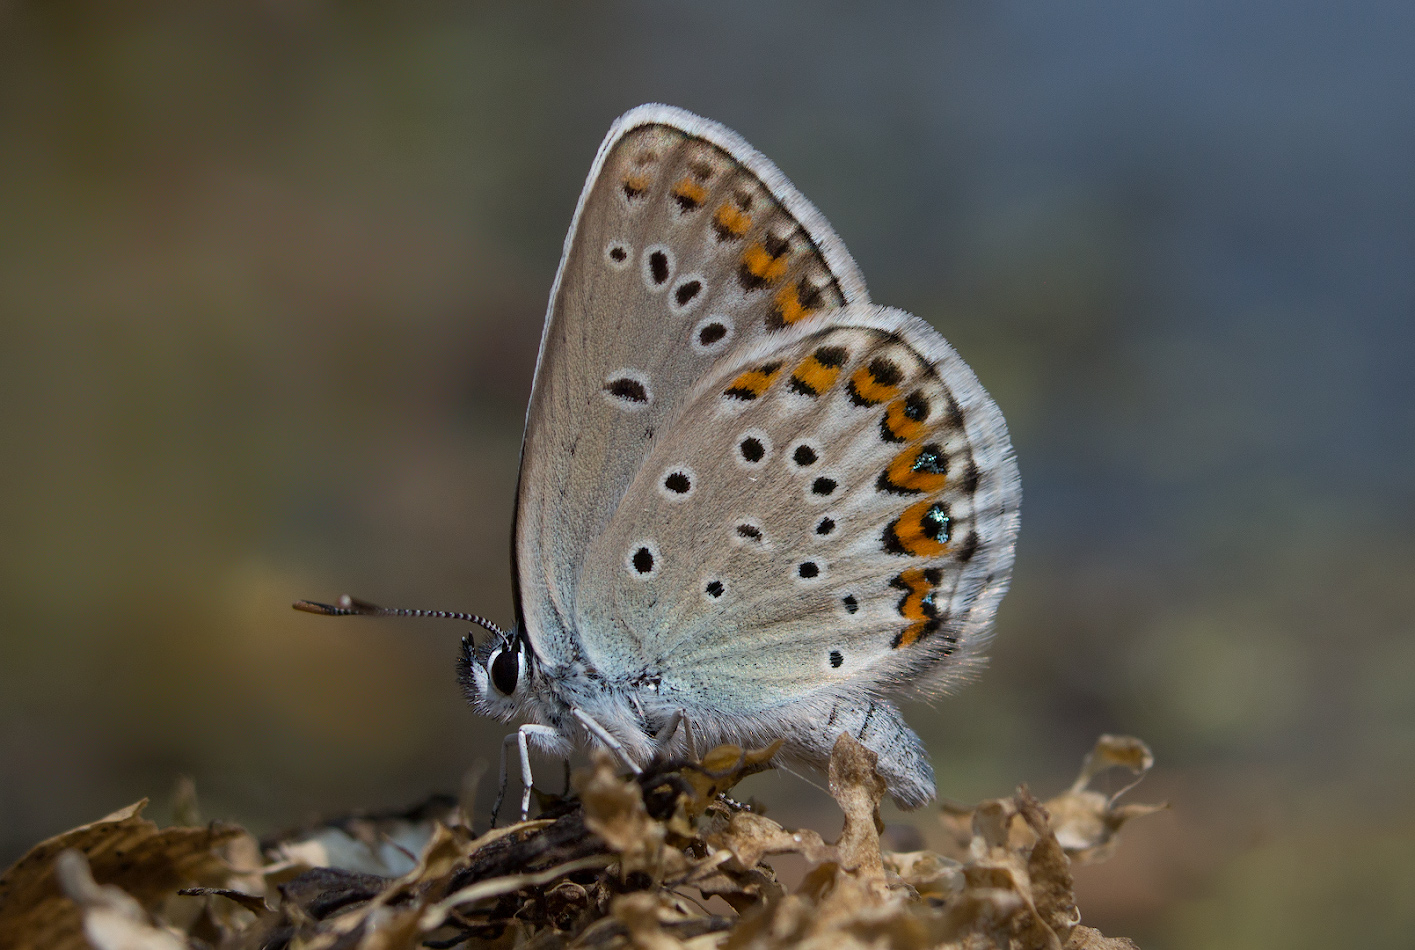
<point>496,676</point>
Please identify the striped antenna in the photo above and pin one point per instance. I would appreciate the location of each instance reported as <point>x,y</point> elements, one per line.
<point>353,607</point>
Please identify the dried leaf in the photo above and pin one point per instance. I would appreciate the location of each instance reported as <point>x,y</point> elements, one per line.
<point>1049,871</point>
<point>112,920</point>
<point>857,787</point>
<point>751,837</point>
<point>603,870</point>
<point>614,810</point>
<point>1086,822</point>
<point>123,849</point>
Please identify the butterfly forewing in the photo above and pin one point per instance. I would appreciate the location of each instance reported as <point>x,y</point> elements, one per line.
<point>686,248</point>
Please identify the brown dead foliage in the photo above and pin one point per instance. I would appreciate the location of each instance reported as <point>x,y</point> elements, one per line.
<point>625,862</point>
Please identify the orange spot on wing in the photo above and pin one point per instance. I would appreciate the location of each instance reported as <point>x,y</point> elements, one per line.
<point>899,425</point>
<point>689,194</point>
<point>761,265</point>
<point>912,581</point>
<point>636,184</point>
<point>730,222</point>
<point>915,470</point>
<point>917,604</point>
<point>753,382</point>
<point>789,308</point>
<point>868,390</point>
<point>812,377</point>
<point>921,531</point>
<point>913,633</point>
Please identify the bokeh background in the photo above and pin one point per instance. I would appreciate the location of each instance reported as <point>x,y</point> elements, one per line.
<point>272,276</point>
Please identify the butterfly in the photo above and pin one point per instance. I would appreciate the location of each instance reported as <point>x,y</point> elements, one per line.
<point>752,505</point>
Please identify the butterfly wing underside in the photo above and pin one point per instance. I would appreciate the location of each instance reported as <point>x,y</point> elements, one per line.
<point>686,245</point>
<point>830,523</point>
<point>771,503</point>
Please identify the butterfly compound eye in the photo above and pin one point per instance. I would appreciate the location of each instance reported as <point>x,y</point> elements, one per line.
<point>505,667</point>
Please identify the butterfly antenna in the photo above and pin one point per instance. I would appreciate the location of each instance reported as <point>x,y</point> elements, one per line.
<point>353,607</point>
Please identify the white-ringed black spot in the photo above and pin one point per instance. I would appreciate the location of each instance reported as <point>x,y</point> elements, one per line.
<point>825,526</point>
<point>686,293</point>
<point>627,389</point>
<point>803,455</point>
<point>678,483</point>
<point>851,604</point>
<point>836,659</point>
<point>642,560</point>
<point>748,533</point>
<point>657,266</point>
<point>753,449</point>
<point>823,487</point>
<point>714,589</point>
<point>808,570</point>
<point>711,334</point>
<point>617,254</point>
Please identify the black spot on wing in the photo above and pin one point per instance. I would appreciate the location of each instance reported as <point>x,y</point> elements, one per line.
<point>658,266</point>
<point>629,390</point>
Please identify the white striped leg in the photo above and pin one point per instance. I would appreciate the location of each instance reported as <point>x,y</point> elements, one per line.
<point>519,737</point>
<point>602,734</point>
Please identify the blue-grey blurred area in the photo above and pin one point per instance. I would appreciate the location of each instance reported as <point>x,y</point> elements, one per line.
<point>272,276</point>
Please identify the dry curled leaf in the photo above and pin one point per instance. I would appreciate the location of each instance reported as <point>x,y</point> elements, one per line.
<point>752,837</point>
<point>630,862</point>
<point>148,863</point>
<point>112,920</point>
<point>1087,821</point>
<point>1084,821</point>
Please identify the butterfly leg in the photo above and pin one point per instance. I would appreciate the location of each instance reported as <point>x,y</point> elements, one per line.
<point>520,738</point>
<point>501,787</point>
<point>666,734</point>
<point>602,734</point>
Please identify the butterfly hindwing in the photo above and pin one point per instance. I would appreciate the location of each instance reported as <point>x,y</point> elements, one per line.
<point>834,513</point>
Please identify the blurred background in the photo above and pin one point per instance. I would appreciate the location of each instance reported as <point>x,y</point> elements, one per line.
<point>272,277</point>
